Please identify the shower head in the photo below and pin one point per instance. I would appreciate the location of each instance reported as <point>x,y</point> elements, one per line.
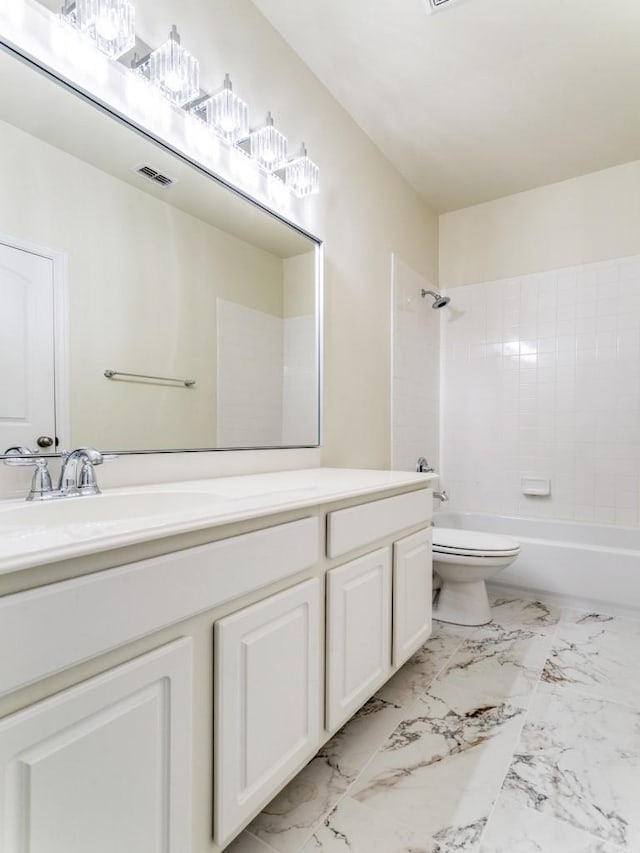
<point>439,301</point>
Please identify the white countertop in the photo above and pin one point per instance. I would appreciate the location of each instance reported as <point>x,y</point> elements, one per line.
<point>33,534</point>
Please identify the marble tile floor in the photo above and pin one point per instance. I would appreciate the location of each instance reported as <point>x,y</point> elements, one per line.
<point>522,736</point>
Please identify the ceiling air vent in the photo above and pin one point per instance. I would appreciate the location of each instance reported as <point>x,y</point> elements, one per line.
<point>153,175</point>
<point>436,5</point>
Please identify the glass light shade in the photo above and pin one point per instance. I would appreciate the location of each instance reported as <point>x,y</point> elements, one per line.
<point>228,114</point>
<point>175,71</point>
<point>110,23</point>
<point>302,176</point>
<point>268,146</point>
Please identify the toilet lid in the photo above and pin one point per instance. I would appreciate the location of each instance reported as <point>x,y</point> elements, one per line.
<point>447,540</point>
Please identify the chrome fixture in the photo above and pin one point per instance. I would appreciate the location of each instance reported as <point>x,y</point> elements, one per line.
<point>442,496</point>
<point>439,301</point>
<point>22,457</point>
<point>423,467</point>
<point>77,475</point>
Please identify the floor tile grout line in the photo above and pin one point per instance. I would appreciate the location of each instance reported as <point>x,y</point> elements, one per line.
<point>517,740</point>
<point>405,709</point>
<point>345,793</point>
<point>402,709</point>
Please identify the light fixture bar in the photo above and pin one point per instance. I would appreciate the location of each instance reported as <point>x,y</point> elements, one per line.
<point>176,73</point>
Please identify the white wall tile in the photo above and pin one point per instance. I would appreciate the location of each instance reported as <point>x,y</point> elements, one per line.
<point>541,374</point>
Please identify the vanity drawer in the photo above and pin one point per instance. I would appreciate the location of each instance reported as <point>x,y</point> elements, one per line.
<point>57,626</point>
<point>358,526</point>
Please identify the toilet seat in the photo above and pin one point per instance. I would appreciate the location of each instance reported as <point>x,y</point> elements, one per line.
<point>471,543</point>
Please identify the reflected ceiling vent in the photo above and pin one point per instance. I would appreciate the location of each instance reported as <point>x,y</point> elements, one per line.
<point>153,175</point>
<point>436,5</point>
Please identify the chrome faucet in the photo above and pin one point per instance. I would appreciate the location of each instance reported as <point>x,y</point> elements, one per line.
<point>77,475</point>
<point>442,496</point>
<point>423,467</point>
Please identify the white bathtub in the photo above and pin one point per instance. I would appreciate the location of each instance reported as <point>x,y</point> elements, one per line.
<point>581,564</point>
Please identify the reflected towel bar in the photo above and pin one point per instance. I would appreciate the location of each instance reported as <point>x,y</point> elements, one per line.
<point>188,383</point>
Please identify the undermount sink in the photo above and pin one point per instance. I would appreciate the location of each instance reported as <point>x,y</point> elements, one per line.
<point>105,509</point>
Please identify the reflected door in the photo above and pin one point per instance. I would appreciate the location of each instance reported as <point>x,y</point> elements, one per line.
<point>27,399</point>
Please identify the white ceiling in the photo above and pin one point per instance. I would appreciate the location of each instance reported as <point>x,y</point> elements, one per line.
<point>485,97</point>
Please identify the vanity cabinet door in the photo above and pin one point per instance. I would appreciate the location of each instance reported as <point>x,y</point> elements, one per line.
<point>412,594</point>
<point>358,633</point>
<point>267,701</point>
<point>104,766</point>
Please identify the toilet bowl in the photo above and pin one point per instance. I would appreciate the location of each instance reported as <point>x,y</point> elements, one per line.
<point>463,560</point>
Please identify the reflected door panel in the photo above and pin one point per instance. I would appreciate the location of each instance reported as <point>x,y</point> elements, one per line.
<point>27,402</point>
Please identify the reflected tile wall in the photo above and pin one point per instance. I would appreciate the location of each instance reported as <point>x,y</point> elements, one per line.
<point>541,376</point>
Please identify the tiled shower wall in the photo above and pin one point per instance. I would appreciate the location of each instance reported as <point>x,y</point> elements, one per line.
<point>415,380</point>
<point>541,376</point>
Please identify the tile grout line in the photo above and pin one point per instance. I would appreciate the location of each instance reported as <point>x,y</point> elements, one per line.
<point>525,716</point>
<point>404,709</point>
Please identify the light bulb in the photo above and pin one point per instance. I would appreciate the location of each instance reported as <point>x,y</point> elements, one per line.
<point>173,81</point>
<point>106,26</point>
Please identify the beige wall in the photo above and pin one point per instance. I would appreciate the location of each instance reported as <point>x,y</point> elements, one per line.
<point>592,218</point>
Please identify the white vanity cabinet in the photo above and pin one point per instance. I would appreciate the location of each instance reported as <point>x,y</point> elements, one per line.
<point>267,701</point>
<point>412,594</point>
<point>109,743</point>
<point>358,633</point>
<point>104,766</point>
<point>378,605</point>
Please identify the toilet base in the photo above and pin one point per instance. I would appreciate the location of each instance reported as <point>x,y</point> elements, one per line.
<point>463,604</point>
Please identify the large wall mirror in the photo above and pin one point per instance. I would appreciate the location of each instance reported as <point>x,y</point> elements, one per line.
<point>138,315</point>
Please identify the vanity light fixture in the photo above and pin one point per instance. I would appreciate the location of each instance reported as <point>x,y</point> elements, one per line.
<point>109,23</point>
<point>267,146</point>
<point>175,73</point>
<point>228,114</point>
<point>172,69</point>
<point>224,112</point>
<point>301,174</point>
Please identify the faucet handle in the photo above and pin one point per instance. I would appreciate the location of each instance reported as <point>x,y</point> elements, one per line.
<point>41,485</point>
<point>20,457</point>
<point>87,483</point>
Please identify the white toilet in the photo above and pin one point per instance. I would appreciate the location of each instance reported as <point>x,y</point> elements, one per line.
<point>463,560</point>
